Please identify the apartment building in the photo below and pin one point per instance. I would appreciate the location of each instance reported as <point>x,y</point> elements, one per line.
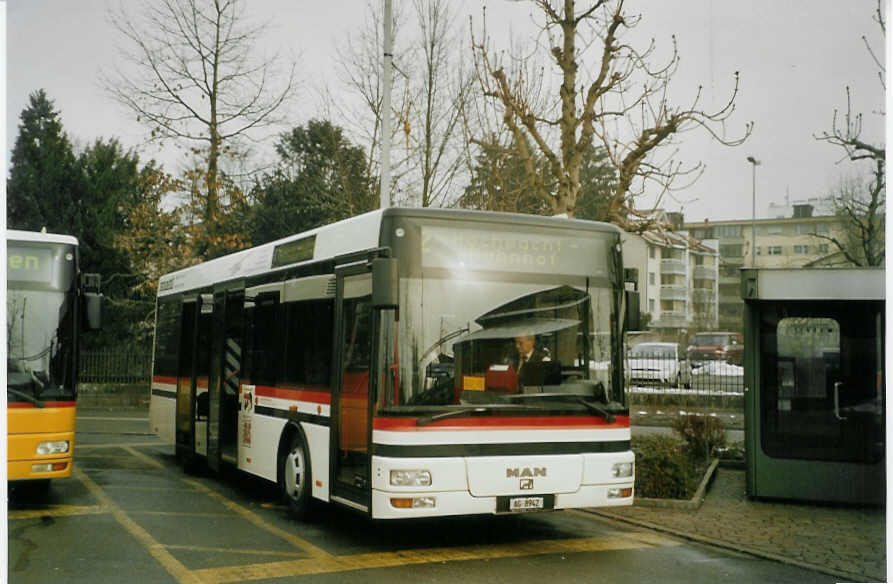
<point>677,278</point>
<point>791,241</point>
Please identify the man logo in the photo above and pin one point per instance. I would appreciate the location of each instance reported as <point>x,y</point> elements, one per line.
<point>526,472</point>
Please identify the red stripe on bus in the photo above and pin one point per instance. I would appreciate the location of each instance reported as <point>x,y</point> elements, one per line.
<point>164,379</point>
<point>58,404</point>
<point>317,397</point>
<point>553,422</point>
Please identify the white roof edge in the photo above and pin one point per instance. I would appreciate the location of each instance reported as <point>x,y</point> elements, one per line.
<point>36,236</point>
<point>821,284</point>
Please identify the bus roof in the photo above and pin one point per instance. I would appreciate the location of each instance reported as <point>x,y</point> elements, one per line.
<point>813,283</point>
<point>40,237</point>
<point>343,237</point>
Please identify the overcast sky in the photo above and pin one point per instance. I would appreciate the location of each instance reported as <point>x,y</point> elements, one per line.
<point>795,59</point>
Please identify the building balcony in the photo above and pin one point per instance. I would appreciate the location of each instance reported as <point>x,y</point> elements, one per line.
<point>674,293</point>
<point>672,267</point>
<point>671,319</point>
<point>703,295</point>
<point>730,280</point>
<point>705,273</point>
<point>733,260</point>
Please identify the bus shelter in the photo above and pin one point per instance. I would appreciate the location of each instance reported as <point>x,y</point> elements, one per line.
<point>814,384</point>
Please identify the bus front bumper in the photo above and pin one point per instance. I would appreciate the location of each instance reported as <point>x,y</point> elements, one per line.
<point>26,462</point>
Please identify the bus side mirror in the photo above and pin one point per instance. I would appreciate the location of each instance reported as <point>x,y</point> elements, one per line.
<point>631,318</point>
<point>92,302</point>
<point>92,311</point>
<point>385,283</point>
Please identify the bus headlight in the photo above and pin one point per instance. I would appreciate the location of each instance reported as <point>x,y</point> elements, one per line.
<point>622,469</point>
<point>58,447</point>
<point>410,478</point>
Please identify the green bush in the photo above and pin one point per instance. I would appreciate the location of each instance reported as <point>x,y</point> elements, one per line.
<point>701,434</point>
<point>663,469</point>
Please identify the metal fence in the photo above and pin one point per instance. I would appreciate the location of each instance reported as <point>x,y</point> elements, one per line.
<point>115,367</point>
<point>658,375</point>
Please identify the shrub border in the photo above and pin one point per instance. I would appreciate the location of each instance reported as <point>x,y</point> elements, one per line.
<point>684,504</point>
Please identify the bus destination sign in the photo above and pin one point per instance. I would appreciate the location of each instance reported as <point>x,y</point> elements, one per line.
<point>29,264</point>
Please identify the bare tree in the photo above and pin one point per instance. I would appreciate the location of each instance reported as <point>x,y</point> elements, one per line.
<point>429,87</point>
<point>624,105</point>
<point>192,78</point>
<point>860,206</point>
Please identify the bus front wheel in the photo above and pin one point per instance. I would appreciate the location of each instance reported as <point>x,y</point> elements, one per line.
<point>294,475</point>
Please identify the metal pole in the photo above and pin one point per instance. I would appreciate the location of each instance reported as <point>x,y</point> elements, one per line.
<point>386,67</point>
<point>753,220</point>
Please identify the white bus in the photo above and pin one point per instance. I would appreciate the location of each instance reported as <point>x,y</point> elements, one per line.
<point>374,363</point>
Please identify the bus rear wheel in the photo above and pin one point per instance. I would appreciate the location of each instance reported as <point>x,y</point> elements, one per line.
<point>294,475</point>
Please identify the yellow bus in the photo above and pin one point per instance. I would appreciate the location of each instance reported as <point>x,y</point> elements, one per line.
<point>48,303</point>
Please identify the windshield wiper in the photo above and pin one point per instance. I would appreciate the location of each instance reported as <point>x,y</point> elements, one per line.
<point>26,397</point>
<point>576,398</point>
<point>425,420</point>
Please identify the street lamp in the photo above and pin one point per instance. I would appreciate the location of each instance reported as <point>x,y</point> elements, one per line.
<point>753,221</point>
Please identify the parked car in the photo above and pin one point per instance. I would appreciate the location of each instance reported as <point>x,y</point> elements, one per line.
<point>659,364</point>
<point>716,346</point>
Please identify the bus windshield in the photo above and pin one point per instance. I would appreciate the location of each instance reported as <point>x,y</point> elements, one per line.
<point>40,323</point>
<point>491,314</point>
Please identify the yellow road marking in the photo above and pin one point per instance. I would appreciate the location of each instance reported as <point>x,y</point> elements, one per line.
<point>109,445</point>
<point>333,564</point>
<point>198,548</point>
<point>143,457</point>
<point>164,557</point>
<point>150,488</point>
<point>58,511</point>
<point>183,513</point>
<point>255,519</point>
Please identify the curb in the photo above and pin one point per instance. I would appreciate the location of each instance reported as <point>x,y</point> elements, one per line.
<point>684,504</point>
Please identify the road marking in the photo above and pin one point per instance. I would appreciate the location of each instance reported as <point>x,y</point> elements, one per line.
<point>184,513</point>
<point>143,457</point>
<point>113,419</point>
<point>198,548</point>
<point>302,544</point>
<point>369,561</point>
<point>81,446</point>
<point>58,511</point>
<point>164,557</point>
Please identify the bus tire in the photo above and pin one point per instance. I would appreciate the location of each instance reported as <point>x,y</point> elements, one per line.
<point>294,474</point>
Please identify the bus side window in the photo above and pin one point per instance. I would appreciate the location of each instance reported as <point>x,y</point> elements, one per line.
<point>308,342</point>
<point>264,339</point>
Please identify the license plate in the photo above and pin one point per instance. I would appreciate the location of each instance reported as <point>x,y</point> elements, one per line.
<point>526,503</point>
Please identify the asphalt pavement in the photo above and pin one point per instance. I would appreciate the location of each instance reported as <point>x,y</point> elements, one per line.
<point>847,542</point>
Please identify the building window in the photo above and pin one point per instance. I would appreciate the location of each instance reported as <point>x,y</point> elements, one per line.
<point>821,228</point>
<point>804,228</point>
<point>757,250</point>
<point>732,250</point>
<point>651,251</point>
<point>774,230</point>
<point>774,250</point>
<point>651,305</point>
<point>823,248</point>
<point>727,230</point>
<point>699,260</point>
<point>651,278</point>
<point>801,249</point>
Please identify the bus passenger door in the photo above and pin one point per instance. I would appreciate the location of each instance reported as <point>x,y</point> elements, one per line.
<point>350,431</point>
<point>185,430</point>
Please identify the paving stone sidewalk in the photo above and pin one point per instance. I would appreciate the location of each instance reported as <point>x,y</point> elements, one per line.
<point>846,542</point>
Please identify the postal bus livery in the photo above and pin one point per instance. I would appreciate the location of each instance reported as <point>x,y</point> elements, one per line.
<point>377,363</point>
<point>48,303</point>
